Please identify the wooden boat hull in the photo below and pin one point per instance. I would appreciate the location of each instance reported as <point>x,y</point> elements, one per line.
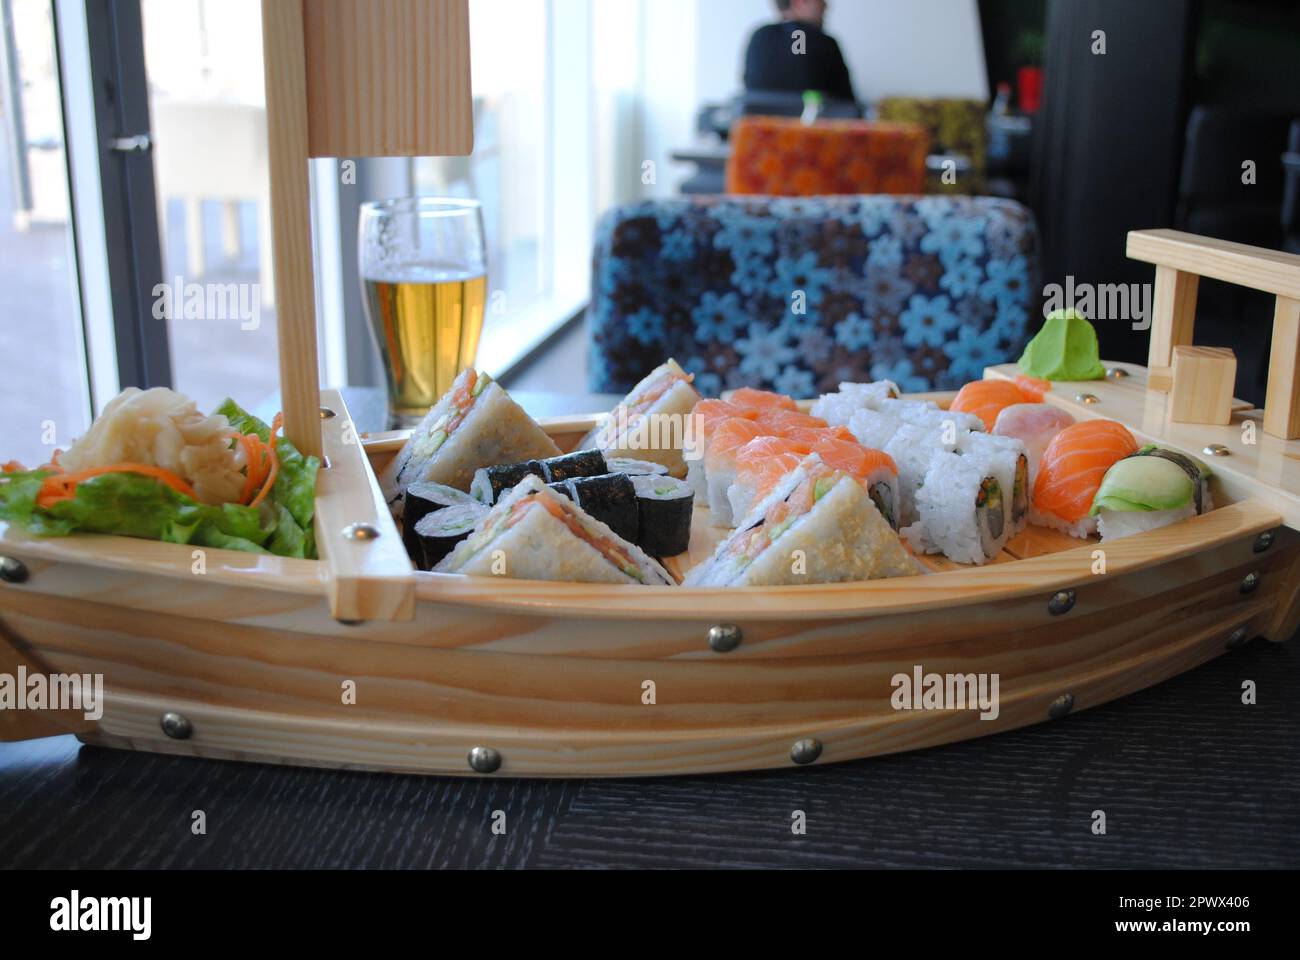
<point>554,677</point>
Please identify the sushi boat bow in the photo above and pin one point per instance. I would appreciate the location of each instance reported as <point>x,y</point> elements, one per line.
<point>242,656</point>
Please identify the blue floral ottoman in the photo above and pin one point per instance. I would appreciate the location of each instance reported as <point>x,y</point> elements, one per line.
<point>799,294</point>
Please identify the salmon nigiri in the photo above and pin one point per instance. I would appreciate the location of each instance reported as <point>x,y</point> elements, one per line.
<point>1072,469</point>
<point>762,399</point>
<point>987,398</point>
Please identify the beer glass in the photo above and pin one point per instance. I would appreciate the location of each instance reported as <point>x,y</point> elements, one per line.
<point>424,280</point>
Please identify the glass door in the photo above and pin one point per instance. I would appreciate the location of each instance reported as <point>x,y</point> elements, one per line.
<point>44,388</point>
<point>207,110</point>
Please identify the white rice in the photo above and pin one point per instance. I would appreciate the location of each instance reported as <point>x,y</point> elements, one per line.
<point>1083,528</point>
<point>837,408</point>
<point>1113,524</point>
<point>999,457</point>
<point>948,522</point>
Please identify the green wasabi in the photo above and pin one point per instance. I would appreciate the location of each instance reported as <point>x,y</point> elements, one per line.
<point>1065,349</point>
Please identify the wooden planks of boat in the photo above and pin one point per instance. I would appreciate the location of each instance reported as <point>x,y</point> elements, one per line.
<point>519,678</point>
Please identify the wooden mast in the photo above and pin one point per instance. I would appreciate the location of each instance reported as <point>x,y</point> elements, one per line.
<point>351,78</point>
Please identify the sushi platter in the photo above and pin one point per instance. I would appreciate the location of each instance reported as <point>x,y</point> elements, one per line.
<point>679,585</point>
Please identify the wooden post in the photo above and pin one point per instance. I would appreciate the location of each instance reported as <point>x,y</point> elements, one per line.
<point>1173,314</point>
<point>286,130</point>
<point>1282,413</point>
<point>351,78</point>
<point>1179,255</point>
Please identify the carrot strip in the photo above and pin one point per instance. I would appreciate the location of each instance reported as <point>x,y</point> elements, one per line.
<point>275,461</point>
<point>253,454</point>
<point>13,466</point>
<point>60,486</point>
<point>270,479</point>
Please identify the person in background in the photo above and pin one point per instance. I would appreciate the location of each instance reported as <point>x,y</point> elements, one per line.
<point>771,63</point>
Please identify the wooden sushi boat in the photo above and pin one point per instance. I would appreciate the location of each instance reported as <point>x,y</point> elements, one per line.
<point>357,661</point>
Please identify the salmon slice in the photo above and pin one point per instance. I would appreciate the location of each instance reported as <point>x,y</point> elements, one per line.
<point>727,439</point>
<point>762,399</point>
<point>814,435</point>
<point>1075,462</point>
<point>987,398</point>
<point>1033,387</point>
<point>781,420</point>
<point>713,412</point>
<point>853,458</point>
<point>761,463</point>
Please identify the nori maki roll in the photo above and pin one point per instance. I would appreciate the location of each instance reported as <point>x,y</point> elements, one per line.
<point>611,499</point>
<point>439,532</point>
<point>421,500</point>
<point>491,482</point>
<point>636,468</point>
<point>665,506</point>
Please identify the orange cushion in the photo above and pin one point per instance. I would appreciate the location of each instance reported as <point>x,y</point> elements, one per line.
<point>779,156</point>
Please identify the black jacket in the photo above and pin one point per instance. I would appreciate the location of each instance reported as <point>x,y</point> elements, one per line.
<point>772,64</point>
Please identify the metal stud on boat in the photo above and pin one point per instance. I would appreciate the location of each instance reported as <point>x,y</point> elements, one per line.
<point>361,531</point>
<point>1088,398</point>
<point>1251,583</point>
<point>13,570</point>
<point>1061,706</point>
<point>327,414</point>
<point>1264,541</point>
<point>484,760</point>
<point>805,751</point>
<point>724,637</point>
<point>1062,602</point>
<point>177,726</point>
<point>1236,638</point>
<point>1117,373</point>
<point>1216,450</point>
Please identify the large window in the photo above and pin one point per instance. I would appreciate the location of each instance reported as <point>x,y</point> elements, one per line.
<point>560,104</point>
<point>208,113</point>
<point>44,390</point>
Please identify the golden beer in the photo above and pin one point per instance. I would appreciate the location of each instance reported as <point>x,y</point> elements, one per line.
<point>428,332</point>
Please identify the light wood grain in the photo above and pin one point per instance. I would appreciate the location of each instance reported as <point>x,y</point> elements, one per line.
<point>1282,403</point>
<point>388,78</point>
<point>1173,314</point>
<point>1178,257</point>
<point>1256,267</point>
<point>1203,378</point>
<point>1259,467</point>
<point>561,696</point>
<point>31,724</point>
<point>367,579</point>
<point>290,213</point>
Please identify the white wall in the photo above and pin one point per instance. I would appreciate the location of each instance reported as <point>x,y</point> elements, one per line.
<point>922,48</point>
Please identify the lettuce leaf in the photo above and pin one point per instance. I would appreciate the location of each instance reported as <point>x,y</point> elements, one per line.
<point>132,505</point>
<point>295,487</point>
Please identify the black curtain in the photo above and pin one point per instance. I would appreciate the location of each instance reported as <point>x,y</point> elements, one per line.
<point>1109,140</point>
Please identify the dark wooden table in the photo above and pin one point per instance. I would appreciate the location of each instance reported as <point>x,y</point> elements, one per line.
<point>1188,776</point>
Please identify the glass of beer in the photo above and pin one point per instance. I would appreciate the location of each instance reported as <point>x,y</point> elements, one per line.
<point>424,278</point>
